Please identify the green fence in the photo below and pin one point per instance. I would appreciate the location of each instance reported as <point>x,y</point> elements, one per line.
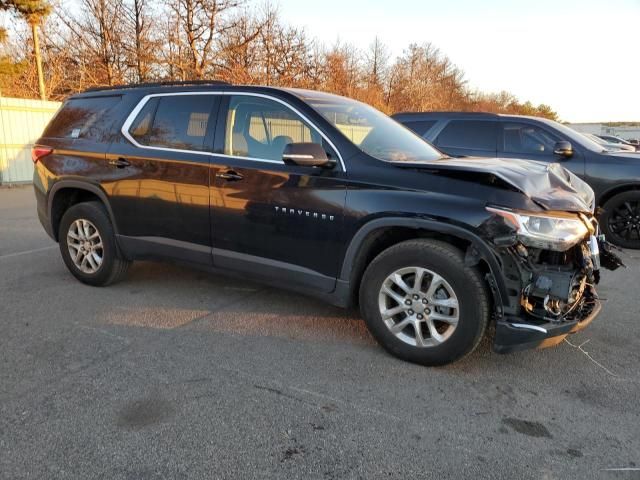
<point>21,123</point>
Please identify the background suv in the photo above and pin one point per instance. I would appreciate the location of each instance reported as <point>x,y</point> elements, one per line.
<point>614,176</point>
<point>327,196</point>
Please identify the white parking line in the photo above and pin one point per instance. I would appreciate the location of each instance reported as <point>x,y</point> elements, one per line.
<point>35,250</point>
<point>626,469</point>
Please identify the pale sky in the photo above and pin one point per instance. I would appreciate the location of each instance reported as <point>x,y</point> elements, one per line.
<point>580,57</point>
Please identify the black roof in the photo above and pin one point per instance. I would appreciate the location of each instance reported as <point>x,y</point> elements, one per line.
<point>418,116</point>
<point>200,85</point>
<point>185,83</point>
<point>446,114</point>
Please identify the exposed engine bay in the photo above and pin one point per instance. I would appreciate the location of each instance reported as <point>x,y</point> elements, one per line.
<point>551,285</point>
<point>558,285</point>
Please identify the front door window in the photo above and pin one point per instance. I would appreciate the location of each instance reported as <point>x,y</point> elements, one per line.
<point>260,128</point>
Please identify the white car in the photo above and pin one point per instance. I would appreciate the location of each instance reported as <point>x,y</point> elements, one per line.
<point>610,147</point>
<point>617,141</point>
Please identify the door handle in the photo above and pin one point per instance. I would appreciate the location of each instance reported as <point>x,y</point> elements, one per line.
<point>230,176</point>
<point>119,163</point>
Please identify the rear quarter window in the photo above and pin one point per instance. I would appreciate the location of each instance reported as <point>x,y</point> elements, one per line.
<point>81,118</point>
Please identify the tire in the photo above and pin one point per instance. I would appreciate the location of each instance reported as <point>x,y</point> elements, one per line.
<point>463,286</point>
<point>620,220</point>
<point>78,225</point>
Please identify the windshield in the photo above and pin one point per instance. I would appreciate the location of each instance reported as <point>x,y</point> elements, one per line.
<point>372,131</point>
<point>595,139</point>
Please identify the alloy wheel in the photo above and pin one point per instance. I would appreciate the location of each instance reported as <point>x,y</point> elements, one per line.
<point>419,306</point>
<point>624,220</point>
<point>85,246</point>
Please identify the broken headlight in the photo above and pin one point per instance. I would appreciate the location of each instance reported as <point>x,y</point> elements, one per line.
<point>557,232</point>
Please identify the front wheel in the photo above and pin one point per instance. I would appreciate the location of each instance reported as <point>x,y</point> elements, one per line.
<point>422,304</point>
<point>88,245</point>
<point>620,219</point>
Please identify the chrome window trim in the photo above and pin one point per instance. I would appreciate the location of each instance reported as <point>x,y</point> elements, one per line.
<point>134,113</point>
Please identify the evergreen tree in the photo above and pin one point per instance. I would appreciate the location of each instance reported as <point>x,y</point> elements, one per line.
<point>33,11</point>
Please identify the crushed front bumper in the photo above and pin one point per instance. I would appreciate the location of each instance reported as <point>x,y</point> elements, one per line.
<point>514,334</point>
<point>553,294</point>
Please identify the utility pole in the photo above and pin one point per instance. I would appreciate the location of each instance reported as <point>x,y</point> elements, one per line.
<point>36,52</point>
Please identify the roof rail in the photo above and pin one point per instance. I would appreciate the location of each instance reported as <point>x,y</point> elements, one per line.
<point>158,84</point>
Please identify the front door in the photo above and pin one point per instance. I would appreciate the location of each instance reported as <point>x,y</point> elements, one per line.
<point>271,219</point>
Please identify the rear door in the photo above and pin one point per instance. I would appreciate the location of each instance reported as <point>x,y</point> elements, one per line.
<point>160,176</point>
<point>270,219</point>
<point>469,138</point>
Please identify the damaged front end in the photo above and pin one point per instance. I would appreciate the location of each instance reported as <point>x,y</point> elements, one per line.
<point>551,264</point>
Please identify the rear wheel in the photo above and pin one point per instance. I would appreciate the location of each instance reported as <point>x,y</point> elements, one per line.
<point>423,304</point>
<point>620,220</point>
<point>88,247</point>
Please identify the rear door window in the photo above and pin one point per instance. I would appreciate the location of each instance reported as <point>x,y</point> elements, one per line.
<point>469,135</point>
<point>81,118</point>
<point>177,122</point>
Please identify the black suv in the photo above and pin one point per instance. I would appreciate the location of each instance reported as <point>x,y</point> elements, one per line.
<point>614,176</point>
<point>327,196</point>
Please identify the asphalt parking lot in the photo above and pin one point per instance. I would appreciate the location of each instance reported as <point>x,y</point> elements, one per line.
<point>175,373</point>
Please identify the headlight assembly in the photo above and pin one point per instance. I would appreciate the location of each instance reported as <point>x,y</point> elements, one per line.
<point>557,232</point>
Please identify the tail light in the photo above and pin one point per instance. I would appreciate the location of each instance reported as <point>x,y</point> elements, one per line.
<point>39,152</point>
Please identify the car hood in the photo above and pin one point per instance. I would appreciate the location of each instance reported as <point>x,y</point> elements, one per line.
<point>550,185</point>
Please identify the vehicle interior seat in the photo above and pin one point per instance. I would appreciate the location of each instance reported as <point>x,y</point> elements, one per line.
<point>512,140</point>
<point>239,145</point>
<point>278,144</point>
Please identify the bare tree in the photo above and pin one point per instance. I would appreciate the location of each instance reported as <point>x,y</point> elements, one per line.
<point>120,41</point>
<point>173,51</point>
<point>238,51</point>
<point>97,35</point>
<point>342,72</point>
<point>377,63</point>
<point>141,46</point>
<point>202,22</point>
<point>284,51</point>
<point>424,79</point>
<point>33,11</point>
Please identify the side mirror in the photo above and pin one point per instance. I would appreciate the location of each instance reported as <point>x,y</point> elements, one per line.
<point>563,148</point>
<point>306,155</point>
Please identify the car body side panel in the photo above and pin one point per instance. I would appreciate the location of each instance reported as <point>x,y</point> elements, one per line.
<point>162,198</point>
<point>282,213</point>
<point>434,199</point>
<point>612,172</point>
<point>73,163</point>
<point>160,194</point>
<point>427,225</point>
